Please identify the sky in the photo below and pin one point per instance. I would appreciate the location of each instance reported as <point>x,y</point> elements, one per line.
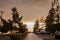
<point>30,26</point>
<point>29,9</point>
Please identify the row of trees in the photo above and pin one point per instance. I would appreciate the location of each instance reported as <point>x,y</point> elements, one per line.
<point>39,25</point>
<point>52,20</point>
<point>14,24</point>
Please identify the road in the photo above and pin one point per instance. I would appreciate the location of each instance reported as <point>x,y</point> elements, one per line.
<point>32,36</point>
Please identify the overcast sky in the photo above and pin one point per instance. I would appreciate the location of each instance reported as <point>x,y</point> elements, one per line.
<point>30,9</point>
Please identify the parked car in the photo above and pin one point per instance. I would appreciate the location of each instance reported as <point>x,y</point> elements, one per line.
<point>42,32</point>
<point>57,35</point>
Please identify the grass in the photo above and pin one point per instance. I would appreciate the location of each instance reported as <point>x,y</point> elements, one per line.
<point>18,36</point>
<point>4,37</point>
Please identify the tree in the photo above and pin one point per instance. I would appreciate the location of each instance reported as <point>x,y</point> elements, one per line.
<point>15,15</point>
<point>58,23</point>
<point>36,25</point>
<point>4,26</point>
<point>49,20</point>
<point>17,19</point>
<point>52,20</point>
<point>11,24</point>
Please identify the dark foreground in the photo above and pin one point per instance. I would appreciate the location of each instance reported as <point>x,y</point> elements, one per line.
<point>17,36</point>
<point>25,36</point>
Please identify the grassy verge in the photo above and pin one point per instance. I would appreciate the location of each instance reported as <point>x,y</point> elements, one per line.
<point>18,36</point>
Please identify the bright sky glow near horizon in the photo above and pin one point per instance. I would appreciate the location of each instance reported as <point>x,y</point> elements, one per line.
<point>30,26</point>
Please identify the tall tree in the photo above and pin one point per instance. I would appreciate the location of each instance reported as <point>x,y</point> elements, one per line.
<point>49,20</point>
<point>17,19</point>
<point>52,19</point>
<point>36,25</point>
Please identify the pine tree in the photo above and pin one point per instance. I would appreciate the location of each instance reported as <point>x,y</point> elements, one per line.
<point>36,25</point>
